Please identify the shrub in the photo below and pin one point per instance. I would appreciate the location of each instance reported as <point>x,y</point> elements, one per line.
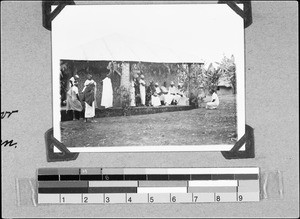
<point>123,94</point>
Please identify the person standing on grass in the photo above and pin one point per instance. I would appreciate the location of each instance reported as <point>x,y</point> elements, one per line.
<point>214,100</point>
<point>73,101</point>
<point>137,93</point>
<point>143,90</point>
<point>132,93</point>
<point>149,92</point>
<point>107,91</point>
<point>89,98</point>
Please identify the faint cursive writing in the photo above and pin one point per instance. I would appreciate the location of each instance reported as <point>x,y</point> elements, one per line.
<point>7,114</point>
<point>8,143</point>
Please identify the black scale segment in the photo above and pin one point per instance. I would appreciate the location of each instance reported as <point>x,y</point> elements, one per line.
<point>63,190</point>
<point>135,177</point>
<point>222,176</point>
<point>201,177</point>
<point>48,177</point>
<point>157,177</point>
<point>179,177</point>
<point>91,177</point>
<point>112,190</point>
<point>69,177</point>
<point>246,176</point>
<point>113,177</point>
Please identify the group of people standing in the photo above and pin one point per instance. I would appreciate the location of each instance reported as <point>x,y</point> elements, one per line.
<point>89,93</point>
<point>141,95</point>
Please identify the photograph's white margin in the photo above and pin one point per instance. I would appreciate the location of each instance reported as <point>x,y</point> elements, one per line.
<point>240,106</point>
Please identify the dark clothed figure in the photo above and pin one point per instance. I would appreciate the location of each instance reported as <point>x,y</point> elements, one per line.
<point>88,94</point>
<point>137,92</point>
<point>150,89</point>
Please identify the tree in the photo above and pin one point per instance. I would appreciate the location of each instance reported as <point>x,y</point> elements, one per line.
<point>192,79</point>
<point>228,70</point>
<point>211,78</point>
<point>65,72</point>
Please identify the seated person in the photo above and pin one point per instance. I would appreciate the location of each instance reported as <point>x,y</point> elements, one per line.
<point>174,94</point>
<point>214,101</point>
<point>155,98</point>
<point>164,94</point>
<point>183,100</point>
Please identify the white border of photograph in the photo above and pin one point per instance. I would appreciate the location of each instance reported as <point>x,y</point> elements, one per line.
<point>240,96</point>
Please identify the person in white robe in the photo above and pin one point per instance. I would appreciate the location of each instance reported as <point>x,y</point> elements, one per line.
<point>107,92</point>
<point>89,98</point>
<point>173,92</point>
<point>214,103</point>
<point>72,80</point>
<point>183,100</point>
<point>142,90</point>
<point>155,98</point>
<point>132,94</point>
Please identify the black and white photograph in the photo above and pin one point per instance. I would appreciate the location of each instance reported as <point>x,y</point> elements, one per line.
<point>149,109</point>
<point>159,77</point>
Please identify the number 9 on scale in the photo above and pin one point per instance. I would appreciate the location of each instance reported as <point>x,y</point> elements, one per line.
<point>240,198</point>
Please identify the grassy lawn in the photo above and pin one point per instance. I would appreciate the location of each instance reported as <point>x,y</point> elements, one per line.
<point>191,127</point>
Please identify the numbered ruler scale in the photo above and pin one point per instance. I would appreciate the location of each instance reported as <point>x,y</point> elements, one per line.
<point>147,185</point>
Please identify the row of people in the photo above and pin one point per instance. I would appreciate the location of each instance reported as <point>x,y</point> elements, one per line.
<point>168,96</point>
<point>155,95</point>
<point>142,95</point>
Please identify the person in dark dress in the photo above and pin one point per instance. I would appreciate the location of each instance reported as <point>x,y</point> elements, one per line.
<point>149,92</point>
<point>137,91</point>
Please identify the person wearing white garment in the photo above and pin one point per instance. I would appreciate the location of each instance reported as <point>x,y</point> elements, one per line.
<point>72,80</point>
<point>214,101</point>
<point>107,92</point>
<point>132,93</point>
<point>89,91</point>
<point>143,90</point>
<point>183,100</point>
<point>155,98</point>
<point>164,97</point>
<point>173,91</point>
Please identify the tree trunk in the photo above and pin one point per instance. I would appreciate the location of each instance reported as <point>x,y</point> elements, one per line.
<point>125,78</point>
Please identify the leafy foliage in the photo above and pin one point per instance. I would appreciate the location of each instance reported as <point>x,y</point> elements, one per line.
<point>211,78</point>
<point>158,69</point>
<point>228,70</point>
<point>123,94</point>
<point>65,74</point>
<point>199,81</point>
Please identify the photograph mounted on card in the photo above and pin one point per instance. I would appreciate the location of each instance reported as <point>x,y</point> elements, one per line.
<point>147,78</point>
